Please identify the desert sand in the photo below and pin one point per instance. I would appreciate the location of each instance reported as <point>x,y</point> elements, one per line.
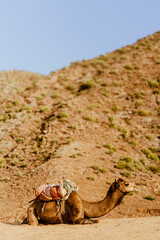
<point>113,229</point>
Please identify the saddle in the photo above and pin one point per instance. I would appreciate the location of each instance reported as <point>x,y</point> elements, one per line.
<point>50,192</point>
<point>55,191</point>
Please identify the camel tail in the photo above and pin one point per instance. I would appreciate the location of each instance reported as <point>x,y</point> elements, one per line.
<point>32,200</point>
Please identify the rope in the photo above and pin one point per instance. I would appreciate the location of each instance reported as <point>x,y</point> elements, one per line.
<point>58,208</point>
<point>69,186</point>
<point>131,199</point>
<point>129,207</point>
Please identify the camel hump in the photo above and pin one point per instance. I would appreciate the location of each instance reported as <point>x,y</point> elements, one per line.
<point>50,192</point>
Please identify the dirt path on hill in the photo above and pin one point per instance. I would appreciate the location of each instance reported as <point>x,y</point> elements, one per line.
<point>113,229</point>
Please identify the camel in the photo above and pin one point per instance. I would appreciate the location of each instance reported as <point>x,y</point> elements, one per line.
<point>76,210</point>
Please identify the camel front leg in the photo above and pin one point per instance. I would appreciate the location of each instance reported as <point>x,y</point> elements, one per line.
<point>32,217</point>
<point>77,216</point>
<point>76,210</point>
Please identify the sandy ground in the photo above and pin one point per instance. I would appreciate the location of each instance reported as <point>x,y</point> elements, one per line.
<point>113,229</point>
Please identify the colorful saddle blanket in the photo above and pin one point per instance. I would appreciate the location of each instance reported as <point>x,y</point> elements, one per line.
<point>50,192</point>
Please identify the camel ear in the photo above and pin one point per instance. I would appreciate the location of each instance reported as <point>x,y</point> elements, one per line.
<point>116,180</point>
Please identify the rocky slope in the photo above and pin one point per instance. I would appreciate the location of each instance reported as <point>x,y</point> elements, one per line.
<point>91,122</point>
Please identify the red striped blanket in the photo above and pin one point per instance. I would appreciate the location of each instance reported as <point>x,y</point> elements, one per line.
<point>50,192</point>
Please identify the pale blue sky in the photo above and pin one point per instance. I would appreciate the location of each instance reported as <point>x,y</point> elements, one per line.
<point>45,35</point>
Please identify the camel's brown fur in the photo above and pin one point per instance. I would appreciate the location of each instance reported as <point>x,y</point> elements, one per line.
<point>77,210</point>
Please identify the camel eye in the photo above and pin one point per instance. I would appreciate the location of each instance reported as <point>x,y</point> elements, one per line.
<point>126,184</point>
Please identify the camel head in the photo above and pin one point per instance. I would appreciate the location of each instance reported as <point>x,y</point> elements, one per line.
<point>123,186</point>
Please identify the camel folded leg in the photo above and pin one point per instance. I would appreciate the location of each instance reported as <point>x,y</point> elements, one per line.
<point>32,217</point>
<point>86,221</point>
<point>76,210</point>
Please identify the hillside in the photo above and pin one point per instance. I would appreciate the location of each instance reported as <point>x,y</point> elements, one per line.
<point>91,122</point>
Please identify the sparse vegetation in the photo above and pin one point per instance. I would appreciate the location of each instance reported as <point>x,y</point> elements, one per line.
<point>122,50</point>
<point>15,162</point>
<point>133,143</point>
<point>115,108</point>
<point>57,155</point>
<point>7,179</point>
<point>138,95</point>
<point>154,168</point>
<point>1,162</point>
<point>108,183</point>
<point>153,149</point>
<point>126,174</point>
<point>20,175</point>
<point>113,72</point>
<point>103,170</point>
<point>55,94</point>
<point>128,67</point>
<point>139,103</point>
<point>91,178</point>
<point>98,169</point>
<point>70,87</point>
<point>73,155</point>
<point>23,165</point>
<point>154,84</point>
<point>118,84</point>
<point>80,110</point>
<point>106,92</point>
<point>89,84</point>
<point>39,97</point>
<point>128,121</point>
<point>143,183</point>
<point>19,140</point>
<point>15,102</point>
<point>62,116</point>
<point>127,163</point>
<point>143,112</point>
<point>132,134</point>
<point>111,124</point>
<point>143,161</point>
<point>44,109</point>
<point>111,119</point>
<point>90,118</point>
<point>26,108</point>
<point>149,197</point>
<point>110,146</point>
<point>92,106</point>
<point>72,127</point>
<point>150,155</point>
<point>123,132</point>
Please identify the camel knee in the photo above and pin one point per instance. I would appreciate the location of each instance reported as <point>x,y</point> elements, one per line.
<point>77,213</point>
<point>32,218</point>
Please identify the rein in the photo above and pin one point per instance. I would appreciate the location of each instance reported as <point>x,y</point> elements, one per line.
<point>129,208</point>
<point>131,202</point>
<point>58,209</point>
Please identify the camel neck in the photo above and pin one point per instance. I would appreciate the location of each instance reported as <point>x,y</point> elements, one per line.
<point>101,208</point>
